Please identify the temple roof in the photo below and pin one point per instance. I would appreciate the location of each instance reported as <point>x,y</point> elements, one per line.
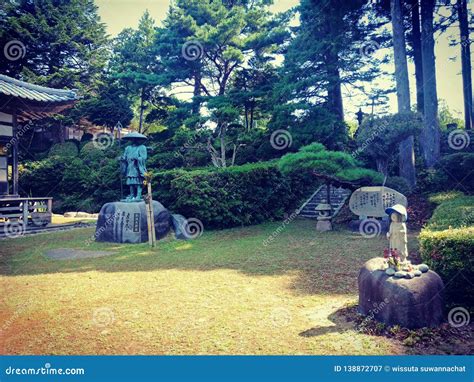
<point>16,88</point>
<point>30,101</point>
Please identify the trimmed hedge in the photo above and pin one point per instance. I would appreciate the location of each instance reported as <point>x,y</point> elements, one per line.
<point>236,196</point>
<point>447,246</point>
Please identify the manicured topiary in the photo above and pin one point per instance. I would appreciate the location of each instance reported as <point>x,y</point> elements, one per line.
<point>447,245</point>
<point>315,158</point>
<point>235,196</point>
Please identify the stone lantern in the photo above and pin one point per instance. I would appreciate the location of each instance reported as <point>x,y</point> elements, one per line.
<point>324,217</point>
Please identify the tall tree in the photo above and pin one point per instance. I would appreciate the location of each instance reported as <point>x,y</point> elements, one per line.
<point>406,148</point>
<point>415,42</point>
<point>430,135</point>
<point>62,43</point>
<point>205,45</point>
<point>466,63</point>
<point>333,47</point>
<point>134,62</point>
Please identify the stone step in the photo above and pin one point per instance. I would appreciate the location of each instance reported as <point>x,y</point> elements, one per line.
<point>338,197</point>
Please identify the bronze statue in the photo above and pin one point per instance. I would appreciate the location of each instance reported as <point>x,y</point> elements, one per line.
<point>133,165</point>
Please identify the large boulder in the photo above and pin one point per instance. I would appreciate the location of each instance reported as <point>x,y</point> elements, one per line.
<point>121,222</point>
<point>411,303</point>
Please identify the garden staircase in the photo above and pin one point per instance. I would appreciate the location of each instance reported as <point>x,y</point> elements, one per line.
<point>338,196</point>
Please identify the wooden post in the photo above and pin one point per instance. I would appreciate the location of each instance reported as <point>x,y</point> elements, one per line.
<point>25,214</point>
<point>15,157</point>
<point>150,213</point>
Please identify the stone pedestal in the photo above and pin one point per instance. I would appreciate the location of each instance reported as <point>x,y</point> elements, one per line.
<point>323,225</point>
<point>411,303</point>
<point>121,222</point>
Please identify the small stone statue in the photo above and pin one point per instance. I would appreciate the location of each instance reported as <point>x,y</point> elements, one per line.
<point>133,165</point>
<point>398,230</point>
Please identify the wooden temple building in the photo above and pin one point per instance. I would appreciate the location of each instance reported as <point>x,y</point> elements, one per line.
<point>21,103</point>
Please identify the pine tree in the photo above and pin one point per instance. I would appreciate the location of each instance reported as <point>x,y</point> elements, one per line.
<point>204,45</point>
<point>134,62</point>
<point>65,44</point>
<point>333,47</point>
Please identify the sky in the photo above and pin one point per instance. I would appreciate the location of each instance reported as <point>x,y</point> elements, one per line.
<point>120,14</point>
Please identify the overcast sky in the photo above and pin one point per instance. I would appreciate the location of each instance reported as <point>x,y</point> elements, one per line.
<point>119,14</point>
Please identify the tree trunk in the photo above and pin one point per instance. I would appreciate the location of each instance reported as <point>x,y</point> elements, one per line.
<point>142,101</point>
<point>417,58</point>
<point>382,165</point>
<point>407,153</point>
<point>223,147</point>
<point>430,135</point>
<point>334,90</point>
<point>466,64</point>
<point>196,92</point>
<point>251,116</point>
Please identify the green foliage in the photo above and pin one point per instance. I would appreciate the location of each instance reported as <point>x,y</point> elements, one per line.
<point>65,42</point>
<point>455,210</point>
<point>39,178</point>
<point>326,54</point>
<point>442,197</point>
<point>240,195</point>
<point>447,245</point>
<point>66,149</point>
<point>309,123</point>
<point>360,175</point>
<point>83,182</point>
<point>224,51</point>
<point>378,137</point>
<point>453,172</point>
<point>108,108</point>
<point>399,184</point>
<point>334,163</point>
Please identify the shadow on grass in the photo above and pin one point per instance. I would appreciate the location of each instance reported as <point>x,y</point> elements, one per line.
<point>323,263</point>
<point>340,318</point>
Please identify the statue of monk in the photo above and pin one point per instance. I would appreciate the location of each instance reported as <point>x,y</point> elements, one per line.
<point>133,165</point>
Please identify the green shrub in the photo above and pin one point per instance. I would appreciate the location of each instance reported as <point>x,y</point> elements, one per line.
<point>447,245</point>
<point>442,197</point>
<point>40,178</point>
<point>454,172</point>
<point>399,184</point>
<point>66,149</point>
<point>240,195</point>
<point>455,212</point>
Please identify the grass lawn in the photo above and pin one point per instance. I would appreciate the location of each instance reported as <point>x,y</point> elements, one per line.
<point>223,293</point>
